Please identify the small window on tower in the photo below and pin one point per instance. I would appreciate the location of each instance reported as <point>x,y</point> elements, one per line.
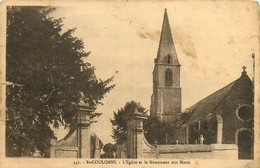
<point>168,77</point>
<point>169,59</point>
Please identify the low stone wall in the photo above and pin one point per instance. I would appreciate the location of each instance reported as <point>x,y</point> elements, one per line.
<point>225,151</point>
<point>196,155</point>
<point>67,147</point>
<point>214,151</point>
<point>137,147</point>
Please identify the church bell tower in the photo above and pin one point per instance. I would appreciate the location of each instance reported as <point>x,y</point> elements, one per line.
<point>166,98</point>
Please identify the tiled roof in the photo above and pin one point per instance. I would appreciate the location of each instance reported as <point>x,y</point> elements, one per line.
<point>207,106</point>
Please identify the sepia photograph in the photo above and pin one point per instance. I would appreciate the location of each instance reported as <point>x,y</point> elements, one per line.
<point>129,83</point>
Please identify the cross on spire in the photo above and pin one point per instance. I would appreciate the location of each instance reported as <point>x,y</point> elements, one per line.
<point>244,68</point>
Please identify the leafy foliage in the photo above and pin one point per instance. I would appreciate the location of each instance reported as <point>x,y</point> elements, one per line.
<point>155,131</point>
<point>109,150</point>
<point>120,120</point>
<point>47,68</point>
<point>159,132</point>
<point>207,129</point>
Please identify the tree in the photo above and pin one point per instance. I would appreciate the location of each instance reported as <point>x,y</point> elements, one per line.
<point>47,69</point>
<point>159,132</point>
<point>155,131</point>
<point>120,120</point>
<point>109,150</point>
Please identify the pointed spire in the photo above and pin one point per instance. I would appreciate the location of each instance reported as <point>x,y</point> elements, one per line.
<point>166,45</point>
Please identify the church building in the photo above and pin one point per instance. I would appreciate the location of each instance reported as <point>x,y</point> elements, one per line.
<point>224,117</point>
<point>166,98</point>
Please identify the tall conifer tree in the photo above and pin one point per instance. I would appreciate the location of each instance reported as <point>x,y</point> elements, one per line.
<point>47,69</point>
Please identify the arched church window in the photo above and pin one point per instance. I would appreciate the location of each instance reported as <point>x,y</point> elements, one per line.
<point>168,77</point>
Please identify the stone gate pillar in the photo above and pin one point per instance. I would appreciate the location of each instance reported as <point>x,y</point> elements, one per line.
<point>84,138</point>
<point>135,135</point>
<point>97,148</point>
<point>77,143</point>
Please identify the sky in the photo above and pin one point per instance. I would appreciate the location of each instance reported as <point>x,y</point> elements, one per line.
<point>213,41</point>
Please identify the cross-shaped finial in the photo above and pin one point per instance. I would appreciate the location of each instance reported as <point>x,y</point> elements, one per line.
<point>244,68</point>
